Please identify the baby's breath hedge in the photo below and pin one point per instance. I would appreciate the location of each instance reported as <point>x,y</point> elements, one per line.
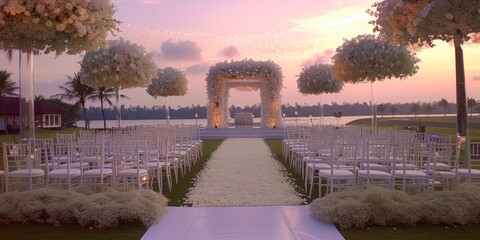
<point>81,207</point>
<point>381,206</point>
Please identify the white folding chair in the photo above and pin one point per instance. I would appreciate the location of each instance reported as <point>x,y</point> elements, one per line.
<point>65,172</point>
<point>97,176</point>
<point>22,170</point>
<point>128,168</point>
<point>375,166</point>
<point>341,174</point>
<point>470,173</point>
<point>159,163</point>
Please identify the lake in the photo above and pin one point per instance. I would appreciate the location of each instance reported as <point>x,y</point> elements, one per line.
<point>327,120</point>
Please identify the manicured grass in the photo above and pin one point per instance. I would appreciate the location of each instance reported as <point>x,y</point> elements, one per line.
<point>424,232</point>
<point>384,232</point>
<point>445,126</point>
<point>70,232</point>
<point>135,231</point>
<point>40,133</point>
<point>124,231</point>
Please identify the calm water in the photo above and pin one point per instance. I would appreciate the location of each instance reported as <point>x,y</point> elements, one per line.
<point>328,120</point>
<point>203,122</point>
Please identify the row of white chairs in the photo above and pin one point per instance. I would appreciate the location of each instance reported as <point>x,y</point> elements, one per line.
<point>354,156</point>
<point>121,158</point>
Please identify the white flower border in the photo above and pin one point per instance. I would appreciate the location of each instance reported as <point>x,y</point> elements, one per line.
<point>269,76</point>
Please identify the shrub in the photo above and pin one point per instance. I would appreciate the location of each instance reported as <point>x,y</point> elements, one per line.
<point>79,206</point>
<point>381,206</point>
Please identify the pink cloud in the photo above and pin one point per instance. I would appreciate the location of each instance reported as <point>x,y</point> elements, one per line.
<point>181,50</point>
<point>320,58</point>
<point>230,51</point>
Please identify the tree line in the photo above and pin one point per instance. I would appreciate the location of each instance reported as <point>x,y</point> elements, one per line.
<point>74,96</point>
<point>347,109</point>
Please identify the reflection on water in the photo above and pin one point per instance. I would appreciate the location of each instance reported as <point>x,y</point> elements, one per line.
<point>203,122</point>
<point>327,120</point>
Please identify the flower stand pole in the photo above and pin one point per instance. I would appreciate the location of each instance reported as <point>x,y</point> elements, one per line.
<point>167,111</point>
<point>118,114</point>
<point>27,116</point>
<point>462,123</point>
<point>373,105</point>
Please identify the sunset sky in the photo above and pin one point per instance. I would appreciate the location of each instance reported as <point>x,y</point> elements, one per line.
<point>193,35</point>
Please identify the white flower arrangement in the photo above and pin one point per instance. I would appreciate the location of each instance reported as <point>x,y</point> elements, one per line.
<point>122,65</point>
<point>421,22</point>
<point>82,207</point>
<point>242,172</point>
<point>217,89</point>
<point>318,79</point>
<point>169,82</point>
<point>389,207</point>
<point>58,26</point>
<point>366,58</point>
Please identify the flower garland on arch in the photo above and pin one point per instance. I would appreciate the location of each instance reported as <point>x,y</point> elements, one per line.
<point>217,89</point>
<point>58,26</point>
<point>245,69</point>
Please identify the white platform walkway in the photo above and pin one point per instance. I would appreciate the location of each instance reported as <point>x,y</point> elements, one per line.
<point>241,223</point>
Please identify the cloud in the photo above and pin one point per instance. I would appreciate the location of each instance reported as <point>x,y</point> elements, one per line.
<point>181,50</point>
<point>197,69</point>
<point>230,51</point>
<point>476,78</point>
<point>320,58</point>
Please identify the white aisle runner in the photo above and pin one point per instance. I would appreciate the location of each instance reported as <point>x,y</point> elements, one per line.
<point>240,173</point>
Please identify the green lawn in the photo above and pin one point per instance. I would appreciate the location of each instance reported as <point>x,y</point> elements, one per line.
<point>135,231</point>
<point>40,133</point>
<point>423,232</point>
<point>124,231</point>
<point>385,232</point>
<point>49,232</point>
<point>445,126</point>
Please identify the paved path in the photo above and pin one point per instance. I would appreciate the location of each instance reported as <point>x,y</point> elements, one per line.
<point>241,223</point>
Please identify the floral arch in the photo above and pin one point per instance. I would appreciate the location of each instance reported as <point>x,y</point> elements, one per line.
<point>246,75</point>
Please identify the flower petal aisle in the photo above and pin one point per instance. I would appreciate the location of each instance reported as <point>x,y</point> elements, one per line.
<point>242,172</point>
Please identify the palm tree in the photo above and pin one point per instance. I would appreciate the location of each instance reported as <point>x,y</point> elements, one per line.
<point>77,92</point>
<point>9,54</point>
<point>381,108</point>
<point>444,103</point>
<point>414,108</point>
<point>392,109</point>
<point>104,94</point>
<point>7,88</point>
<point>38,98</point>
<point>471,102</point>
<point>428,108</point>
